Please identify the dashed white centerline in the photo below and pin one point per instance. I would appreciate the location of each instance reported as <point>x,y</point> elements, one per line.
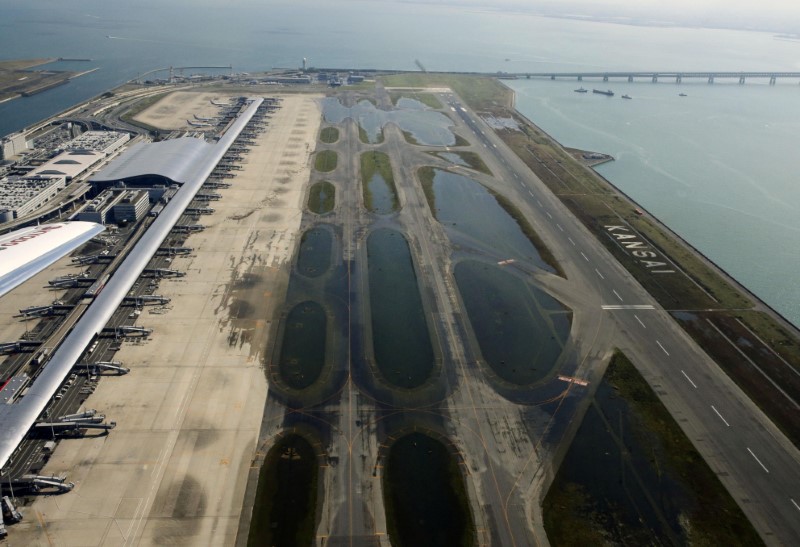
<point>598,273</point>
<point>616,294</point>
<point>639,320</point>
<point>559,226</point>
<point>539,203</point>
<point>662,347</point>
<point>584,256</point>
<point>764,467</point>
<point>795,504</point>
<point>548,215</point>
<point>531,193</point>
<point>570,240</point>
<point>690,380</point>
<point>720,416</point>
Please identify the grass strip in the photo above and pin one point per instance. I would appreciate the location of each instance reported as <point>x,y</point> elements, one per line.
<point>326,161</point>
<point>329,135</point>
<point>322,197</point>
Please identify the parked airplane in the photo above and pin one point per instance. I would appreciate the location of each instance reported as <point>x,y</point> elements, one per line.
<point>200,124</point>
<point>199,119</point>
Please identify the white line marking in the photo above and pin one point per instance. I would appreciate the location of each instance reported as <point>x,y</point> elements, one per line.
<point>627,307</point>
<point>584,256</point>
<point>795,504</point>
<point>616,294</point>
<point>640,321</point>
<point>759,461</point>
<point>662,347</point>
<point>520,183</point>
<point>559,226</point>
<point>516,176</point>
<point>598,273</point>
<point>720,416</point>
<point>570,240</point>
<point>690,380</point>
<point>539,203</point>
<point>548,214</point>
<point>531,193</point>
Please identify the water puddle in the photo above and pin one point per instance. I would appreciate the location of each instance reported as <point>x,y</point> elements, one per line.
<point>314,257</point>
<point>379,197</point>
<point>400,337</point>
<point>427,127</point>
<point>519,330</point>
<point>425,495</point>
<point>452,157</point>
<point>303,348</point>
<point>465,207</point>
<point>286,497</point>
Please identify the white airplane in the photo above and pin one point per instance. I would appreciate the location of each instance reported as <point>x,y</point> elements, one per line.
<point>215,103</point>
<point>199,119</point>
<point>200,124</point>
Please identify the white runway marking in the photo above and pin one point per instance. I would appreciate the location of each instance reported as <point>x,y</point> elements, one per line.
<point>531,193</point>
<point>662,347</point>
<point>795,504</point>
<point>559,226</point>
<point>539,203</point>
<point>690,380</point>
<point>570,240</point>
<point>548,214</point>
<point>720,416</point>
<point>598,273</point>
<point>584,256</point>
<point>639,320</point>
<point>764,467</point>
<point>616,294</point>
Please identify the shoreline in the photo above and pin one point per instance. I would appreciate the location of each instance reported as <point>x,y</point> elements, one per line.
<point>758,303</point>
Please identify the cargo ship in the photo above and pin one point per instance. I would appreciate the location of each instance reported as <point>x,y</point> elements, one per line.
<point>580,90</point>
<point>608,93</point>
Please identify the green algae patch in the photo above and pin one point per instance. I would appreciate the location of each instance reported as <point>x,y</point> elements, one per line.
<point>377,183</point>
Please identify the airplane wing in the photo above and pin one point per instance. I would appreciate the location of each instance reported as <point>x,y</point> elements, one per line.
<point>26,252</point>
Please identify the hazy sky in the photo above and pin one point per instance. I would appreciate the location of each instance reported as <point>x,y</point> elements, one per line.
<point>778,15</point>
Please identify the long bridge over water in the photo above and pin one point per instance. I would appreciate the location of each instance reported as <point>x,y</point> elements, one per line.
<point>677,76</point>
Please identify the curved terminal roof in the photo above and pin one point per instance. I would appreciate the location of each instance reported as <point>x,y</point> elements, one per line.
<point>17,418</point>
<point>180,160</point>
<point>26,252</point>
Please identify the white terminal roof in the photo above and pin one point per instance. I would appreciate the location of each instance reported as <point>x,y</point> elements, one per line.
<point>26,252</point>
<point>180,160</point>
<point>68,164</point>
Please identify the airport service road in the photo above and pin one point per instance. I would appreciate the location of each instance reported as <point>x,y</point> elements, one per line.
<point>754,460</point>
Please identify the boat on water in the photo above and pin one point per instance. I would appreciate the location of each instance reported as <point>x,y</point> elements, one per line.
<point>608,93</point>
<point>682,95</point>
<point>581,90</point>
<point>626,96</point>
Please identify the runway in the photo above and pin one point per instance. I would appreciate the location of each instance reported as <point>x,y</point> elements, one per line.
<point>752,458</point>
